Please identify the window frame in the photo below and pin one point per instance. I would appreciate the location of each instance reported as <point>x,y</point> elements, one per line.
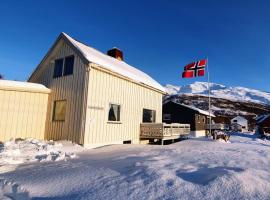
<point>58,76</point>
<point>203,120</point>
<point>53,113</point>
<point>153,111</point>
<point>64,65</point>
<point>109,108</point>
<point>166,118</point>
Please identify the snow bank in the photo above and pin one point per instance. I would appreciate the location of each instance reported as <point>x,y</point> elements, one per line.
<point>31,150</point>
<point>12,191</point>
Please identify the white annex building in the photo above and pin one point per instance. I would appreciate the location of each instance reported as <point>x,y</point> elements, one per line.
<point>239,120</point>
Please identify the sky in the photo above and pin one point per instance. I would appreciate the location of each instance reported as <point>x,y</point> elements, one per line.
<point>158,37</point>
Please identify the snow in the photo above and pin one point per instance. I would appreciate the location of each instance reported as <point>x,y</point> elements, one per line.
<point>120,67</point>
<point>221,91</point>
<point>12,191</point>
<point>19,85</point>
<point>261,118</point>
<point>172,89</point>
<point>190,169</point>
<point>240,120</point>
<point>21,151</point>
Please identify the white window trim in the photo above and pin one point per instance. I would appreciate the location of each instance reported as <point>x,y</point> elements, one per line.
<point>120,114</point>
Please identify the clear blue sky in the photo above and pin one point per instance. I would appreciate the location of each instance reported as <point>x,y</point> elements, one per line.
<point>158,37</point>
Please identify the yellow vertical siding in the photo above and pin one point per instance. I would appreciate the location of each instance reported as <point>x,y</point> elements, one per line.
<point>105,88</point>
<point>89,94</point>
<point>22,114</point>
<point>71,88</point>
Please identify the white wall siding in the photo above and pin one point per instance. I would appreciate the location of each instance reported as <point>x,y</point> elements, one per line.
<point>70,88</point>
<point>105,88</point>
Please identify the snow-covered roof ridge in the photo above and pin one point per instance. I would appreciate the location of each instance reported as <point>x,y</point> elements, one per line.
<point>261,118</point>
<point>112,64</point>
<point>239,117</point>
<point>25,86</point>
<point>196,109</point>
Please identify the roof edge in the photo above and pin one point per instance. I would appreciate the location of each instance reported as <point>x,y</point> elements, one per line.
<point>24,87</point>
<point>99,67</point>
<point>193,108</point>
<point>62,35</point>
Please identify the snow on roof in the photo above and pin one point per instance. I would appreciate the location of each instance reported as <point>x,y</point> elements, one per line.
<point>239,118</point>
<point>196,109</point>
<point>110,63</point>
<point>25,86</point>
<point>261,118</point>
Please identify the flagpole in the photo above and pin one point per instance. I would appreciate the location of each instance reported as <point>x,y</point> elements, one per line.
<point>209,97</point>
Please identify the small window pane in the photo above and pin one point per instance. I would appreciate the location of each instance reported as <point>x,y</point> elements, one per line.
<point>166,116</point>
<point>69,62</point>
<point>59,110</point>
<point>58,68</point>
<point>149,116</point>
<point>114,112</point>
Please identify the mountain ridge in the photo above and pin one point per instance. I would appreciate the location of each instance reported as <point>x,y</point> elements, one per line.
<point>238,93</point>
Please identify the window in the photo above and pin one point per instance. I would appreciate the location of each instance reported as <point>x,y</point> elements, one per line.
<point>69,62</point>
<point>114,113</point>
<point>59,110</point>
<point>67,69</point>
<point>58,68</point>
<point>149,116</point>
<point>203,119</point>
<point>166,116</point>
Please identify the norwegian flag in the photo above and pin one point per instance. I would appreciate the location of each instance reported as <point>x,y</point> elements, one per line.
<point>194,69</point>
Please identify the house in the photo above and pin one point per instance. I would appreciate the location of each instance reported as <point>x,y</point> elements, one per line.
<point>23,110</point>
<point>174,112</point>
<point>243,122</point>
<point>263,121</point>
<point>95,99</point>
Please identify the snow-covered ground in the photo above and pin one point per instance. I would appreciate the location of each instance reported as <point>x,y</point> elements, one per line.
<point>15,152</point>
<point>190,169</point>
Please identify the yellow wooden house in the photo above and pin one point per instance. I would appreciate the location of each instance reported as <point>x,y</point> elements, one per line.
<point>95,99</point>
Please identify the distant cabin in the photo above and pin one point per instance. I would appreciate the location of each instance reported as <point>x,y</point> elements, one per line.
<point>240,122</point>
<point>180,113</point>
<point>95,98</point>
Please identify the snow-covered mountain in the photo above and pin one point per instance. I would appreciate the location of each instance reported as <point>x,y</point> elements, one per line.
<point>241,94</point>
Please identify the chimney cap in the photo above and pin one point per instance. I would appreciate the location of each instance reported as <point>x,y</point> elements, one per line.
<point>115,53</point>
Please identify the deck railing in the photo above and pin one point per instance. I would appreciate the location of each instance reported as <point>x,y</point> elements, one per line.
<point>163,131</point>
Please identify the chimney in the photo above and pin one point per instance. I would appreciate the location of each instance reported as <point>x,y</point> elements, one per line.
<point>116,53</point>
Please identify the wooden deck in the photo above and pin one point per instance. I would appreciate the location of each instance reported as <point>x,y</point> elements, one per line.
<point>164,131</point>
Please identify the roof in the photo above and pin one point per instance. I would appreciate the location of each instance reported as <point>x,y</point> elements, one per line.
<point>23,86</point>
<point>112,64</point>
<point>260,119</point>
<point>195,109</point>
<point>239,118</point>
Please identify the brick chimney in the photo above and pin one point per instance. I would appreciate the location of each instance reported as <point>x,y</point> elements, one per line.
<point>116,53</point>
